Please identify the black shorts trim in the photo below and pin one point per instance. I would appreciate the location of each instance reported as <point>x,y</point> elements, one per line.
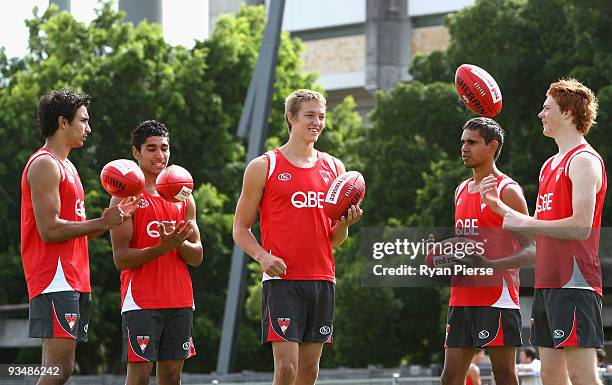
<point>482,326</point>
<point>566,317</point>
<point>297,311</point>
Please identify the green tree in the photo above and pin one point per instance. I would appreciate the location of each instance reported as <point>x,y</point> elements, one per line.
<point>411,148</point>
<point>134,75</point>
<point>412,125</point>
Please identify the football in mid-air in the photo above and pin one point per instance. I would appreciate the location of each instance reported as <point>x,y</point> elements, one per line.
<point>346,190</point>
<point>122,178</point>
<point>478,90</point>
<point>174,184</point>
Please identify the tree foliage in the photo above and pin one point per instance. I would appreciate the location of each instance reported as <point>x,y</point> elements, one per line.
<point>409,153</point>
<point>521,44</point>
<point>134,75</point>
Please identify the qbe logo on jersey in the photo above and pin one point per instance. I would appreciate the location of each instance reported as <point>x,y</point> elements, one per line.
<point>154,227</point>
<point>79,209</point>
<point>308,199</point>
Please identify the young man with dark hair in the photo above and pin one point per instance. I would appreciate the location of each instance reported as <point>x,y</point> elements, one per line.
<point>152,252</point>
<point>529,366</point>
<point>527,354</point>
<point>54,231</point>
<point>484,311</point>
<point>288,186</point>
<point>566,317</point>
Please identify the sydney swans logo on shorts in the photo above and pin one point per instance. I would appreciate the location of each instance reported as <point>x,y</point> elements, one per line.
<point>143,341</point>
<point>284,324</point>
<point>325,330</point>
<point>557,333</point>
<point>483,334</point>
<point>71,318</point>
<point>283,177</point>
<point>187,345</point>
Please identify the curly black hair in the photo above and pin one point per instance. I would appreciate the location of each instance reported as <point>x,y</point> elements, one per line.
<point>58,103</point>
<point>146,129</point>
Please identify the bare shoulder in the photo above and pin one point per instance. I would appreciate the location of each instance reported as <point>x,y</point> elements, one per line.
<point>340,165</point>
<point>513,190</point>
<point>585,158</point>
<point>258,164</point>
<point>585,165</point>
<point>255,173</point>
<point>513,196</point>
<point>257,167</point>
<point>191,204</point>
<point>43,170</point>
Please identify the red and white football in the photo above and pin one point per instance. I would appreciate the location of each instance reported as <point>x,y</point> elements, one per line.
<point>122,178</point>
<point>174,184</point>
<point>478,90</point>
<point>450,251</point>
<point>346,190</point>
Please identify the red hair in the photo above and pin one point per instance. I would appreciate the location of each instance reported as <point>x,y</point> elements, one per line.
<point>573,96</point>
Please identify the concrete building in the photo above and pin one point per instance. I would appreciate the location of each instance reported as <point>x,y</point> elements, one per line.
<point>360,46</point>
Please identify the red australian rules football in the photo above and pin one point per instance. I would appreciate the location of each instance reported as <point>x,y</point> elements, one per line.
<point>346,190</point>
<point>122,178</point>
<point>174,184</point>
<point>478,90</point>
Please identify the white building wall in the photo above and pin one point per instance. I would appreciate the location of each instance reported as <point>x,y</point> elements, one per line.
<point>430,7</point>
<point>303,15</point>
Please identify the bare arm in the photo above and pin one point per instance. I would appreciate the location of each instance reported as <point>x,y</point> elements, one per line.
<point>126,257</point>
<point>339,231</point>
<point>585,173</point>
<point>191,251</point>
<point>246,211</point>
<point>44,179</point>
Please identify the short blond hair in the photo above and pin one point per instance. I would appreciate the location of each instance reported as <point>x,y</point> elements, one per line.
<point>571,95</point>
<point>295,100</point>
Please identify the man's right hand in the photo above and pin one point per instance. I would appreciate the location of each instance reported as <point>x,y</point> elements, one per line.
<point>172,236</point>
<point>477,260</point>
<point>271,265</point>
<point>117,214</point>
<point>114,216</point>
<point>488,191</point>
